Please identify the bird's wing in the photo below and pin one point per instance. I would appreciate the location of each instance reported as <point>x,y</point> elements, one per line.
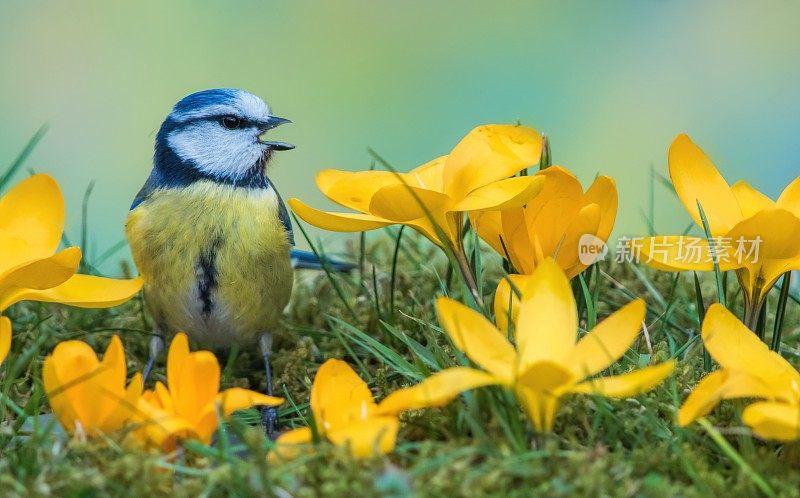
<point>283,214</point>
<point>148,188</point>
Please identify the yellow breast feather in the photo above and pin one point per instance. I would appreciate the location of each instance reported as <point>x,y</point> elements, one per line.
<point>215,260</point>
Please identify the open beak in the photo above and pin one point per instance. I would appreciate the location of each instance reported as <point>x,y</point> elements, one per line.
<point>274,122</point>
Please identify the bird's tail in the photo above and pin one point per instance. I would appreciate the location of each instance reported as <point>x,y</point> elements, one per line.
<point>306,260</point>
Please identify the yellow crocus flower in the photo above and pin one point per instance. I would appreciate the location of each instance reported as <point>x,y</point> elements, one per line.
<point>548,362</point>
<point>558,223</point>
<point>475,176</point>
<point>757,237</point>
<point>187,407</point>
<point>32,268</point>
<point>748,369</point>
<point>87,395</point>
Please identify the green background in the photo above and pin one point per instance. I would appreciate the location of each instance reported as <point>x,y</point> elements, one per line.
<point>611,83</point>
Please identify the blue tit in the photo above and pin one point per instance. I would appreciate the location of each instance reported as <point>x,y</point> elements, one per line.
<point>209,232</point>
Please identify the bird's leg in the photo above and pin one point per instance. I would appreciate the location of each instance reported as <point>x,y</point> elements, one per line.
<point>156,347</point>
<point>269,414</point>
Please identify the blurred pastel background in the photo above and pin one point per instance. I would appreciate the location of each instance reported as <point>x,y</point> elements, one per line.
<point>611,83</point>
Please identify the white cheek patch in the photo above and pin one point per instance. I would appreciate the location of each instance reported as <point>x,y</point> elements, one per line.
<point>215,150</point>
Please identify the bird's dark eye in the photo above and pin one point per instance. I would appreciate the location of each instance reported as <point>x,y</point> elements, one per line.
<point>231,122</point>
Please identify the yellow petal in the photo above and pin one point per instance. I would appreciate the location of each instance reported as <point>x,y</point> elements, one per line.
<point>401,203</point>
<point>540,406</point>
<point>33,211</point>
<point>72,387</point>
<point>554,208</point>
<point>83,291</point>
<point>518,240</point>
<point>354,189</point>
<point>750,200</point>
<point>177,356</point>
<point>736,348</point>
<point>5,337</point>
<point>548,321</point>
<point>608,341</point>
<point>587,221</point>
<point>339,397</point>
<point>505,297</point>
<point>237,398</point>
<point>770,420</point>
<point>790,197</point>
<point>336,222</point>
<point>717,386</point>
<point>428,176</point>
<point>373,436</point>
<point>679,253</point>
<point>163,428</point>
<point>629,384</point>
<point>437,390</point>
<point>502,194</point>
<point>198,386</point>
<point>292,443</point>
<point>477,338</point>
<point>546,376</point>
<point>695,178</point>
<point>489,227</point>
<point>40,274</point>
<point>777,229</point>
<point>603,192</point>
<point>487,154</point>
<point>126,409</point>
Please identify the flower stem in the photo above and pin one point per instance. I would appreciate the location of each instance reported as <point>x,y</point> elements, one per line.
<point>469,276</point>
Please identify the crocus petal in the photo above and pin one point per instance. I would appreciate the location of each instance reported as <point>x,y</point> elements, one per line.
<point>41,274</point>
<point>33,210</point>
<point>567,252</point>
<point>489,227</point>
<point>198,385</point>
<point>629,384</point>
<point>487,154</point>
<point>163,428</point>
<point>717,386</point>
<point>5,337</point>
<point>401,203</point>
<point>292,443</point>
<point>126,409</point>
<point>83,291</point>
<point>502,194</point>
<point>505,297</point>
<point>677,253</point>
<point>548,321</point>
<point>375,435</point>
<point>608,341</point>
<point>237,398</point>
<point>429,176</point>
<point>337,222</point>
<point>518,240</point>
<point>437,390</point>
<point>354,189</point>
<point>477,338</point>
<point>603,192</point>
<point>695,178</point>
<point>177,356</point>
<point>554,208</point>
<point>777,229</point>
<point>790,197</point>
<point>771,420</point>
<point>70,378</point>
<point>339,396</point>
<point>750,200</point>
<point>540,406</point>
<point>736,348</point>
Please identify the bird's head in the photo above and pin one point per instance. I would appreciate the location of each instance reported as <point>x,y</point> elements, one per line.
<point>216,134</point>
